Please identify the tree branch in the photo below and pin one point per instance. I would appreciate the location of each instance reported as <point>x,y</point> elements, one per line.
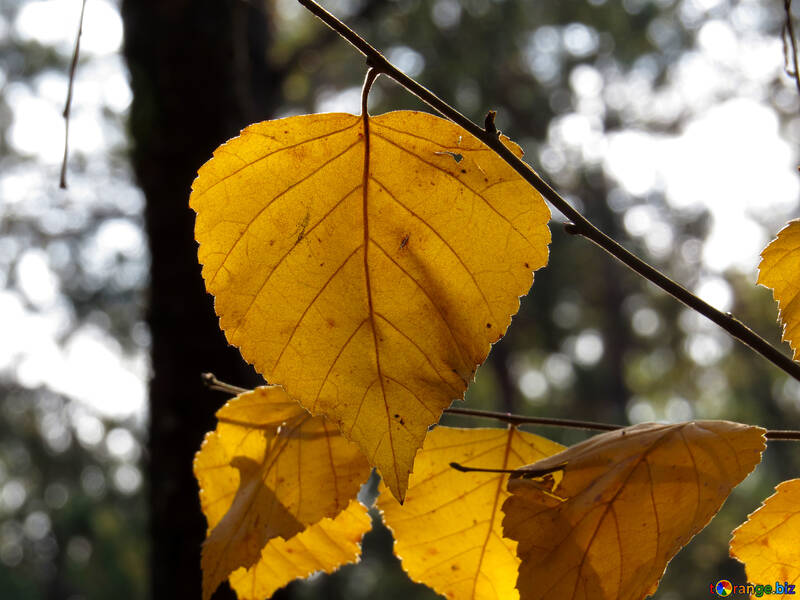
<point>525,420</point>
<point>772,435</point>
<point>517,473</point>
<point>211,381</point>
<point>788,32</point>
<point>580,225</point>
<point>62,183</point>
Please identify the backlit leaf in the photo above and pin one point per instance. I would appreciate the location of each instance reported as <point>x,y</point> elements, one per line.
<point>779,270</point>
<point>605,525</point>
<point>325,547</point>
<point>269,469</point>
<point>767,543</point>
<point>369,279</point>
<point>448,531</point>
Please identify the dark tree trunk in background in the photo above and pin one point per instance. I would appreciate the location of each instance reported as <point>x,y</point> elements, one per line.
<point>199,75</point>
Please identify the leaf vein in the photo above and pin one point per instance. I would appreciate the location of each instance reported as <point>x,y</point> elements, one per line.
<point>476,193</point>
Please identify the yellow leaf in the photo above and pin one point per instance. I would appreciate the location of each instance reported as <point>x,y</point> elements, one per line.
<point>779,270</point>
<point>325,546</point>
<point>367,274</point>
<point>269,469</point>
<point>448,532</point>
<point>605,525</point>
<point>767,543</point>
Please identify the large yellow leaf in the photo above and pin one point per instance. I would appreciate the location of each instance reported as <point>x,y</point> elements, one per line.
<point>367,274</point>
<point>767,543</point>
<point>605,525</point>
<point>448,532</point>
<point>269,469</point>
<point>324,546</point>
<point>779,270</point>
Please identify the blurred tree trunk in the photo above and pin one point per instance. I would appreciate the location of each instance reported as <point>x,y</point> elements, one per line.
<point>199,74</point>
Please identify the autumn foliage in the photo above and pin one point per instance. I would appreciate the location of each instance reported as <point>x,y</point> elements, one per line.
<point>371,298</point>
<point>365,266</point>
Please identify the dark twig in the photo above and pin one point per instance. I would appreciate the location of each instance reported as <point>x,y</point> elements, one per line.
<point>211,381</point>
<point>524,420</point>
<point>788,32</point>
<point>580,224</point>
<point>68,105</point>
<point>517,473</point>
<point>771,435</point>
<point>488,123</point>
<point>782,435</point>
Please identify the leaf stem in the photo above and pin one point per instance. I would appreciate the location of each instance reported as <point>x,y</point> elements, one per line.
<point>580,225</point>
<point>369,79</point>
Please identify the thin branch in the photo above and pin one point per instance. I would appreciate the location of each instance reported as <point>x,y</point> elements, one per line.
<point>782,435</point>
<point>788,32</point>
<point>319,45</point>
<point>68,105</point>
<point>524,420</point>
<point>771,435</point>
<point>580,225</point>
<point>211,382</point>
<point>521,473</point>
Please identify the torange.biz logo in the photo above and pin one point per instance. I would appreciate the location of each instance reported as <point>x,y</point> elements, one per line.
<point>725,588</point>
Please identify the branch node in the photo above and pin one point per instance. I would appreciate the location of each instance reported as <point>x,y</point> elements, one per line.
<point>377,61</point>
<point>571,228</point>
<point>488,123</point>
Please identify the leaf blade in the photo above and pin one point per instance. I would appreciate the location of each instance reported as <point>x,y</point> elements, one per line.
<point>767,542</point>
<point>370,300</point>
<point>448,531</point>
<point>324,546</point>
<point>627,502</point>
<point>779,270</point>
<point>269,470</point>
